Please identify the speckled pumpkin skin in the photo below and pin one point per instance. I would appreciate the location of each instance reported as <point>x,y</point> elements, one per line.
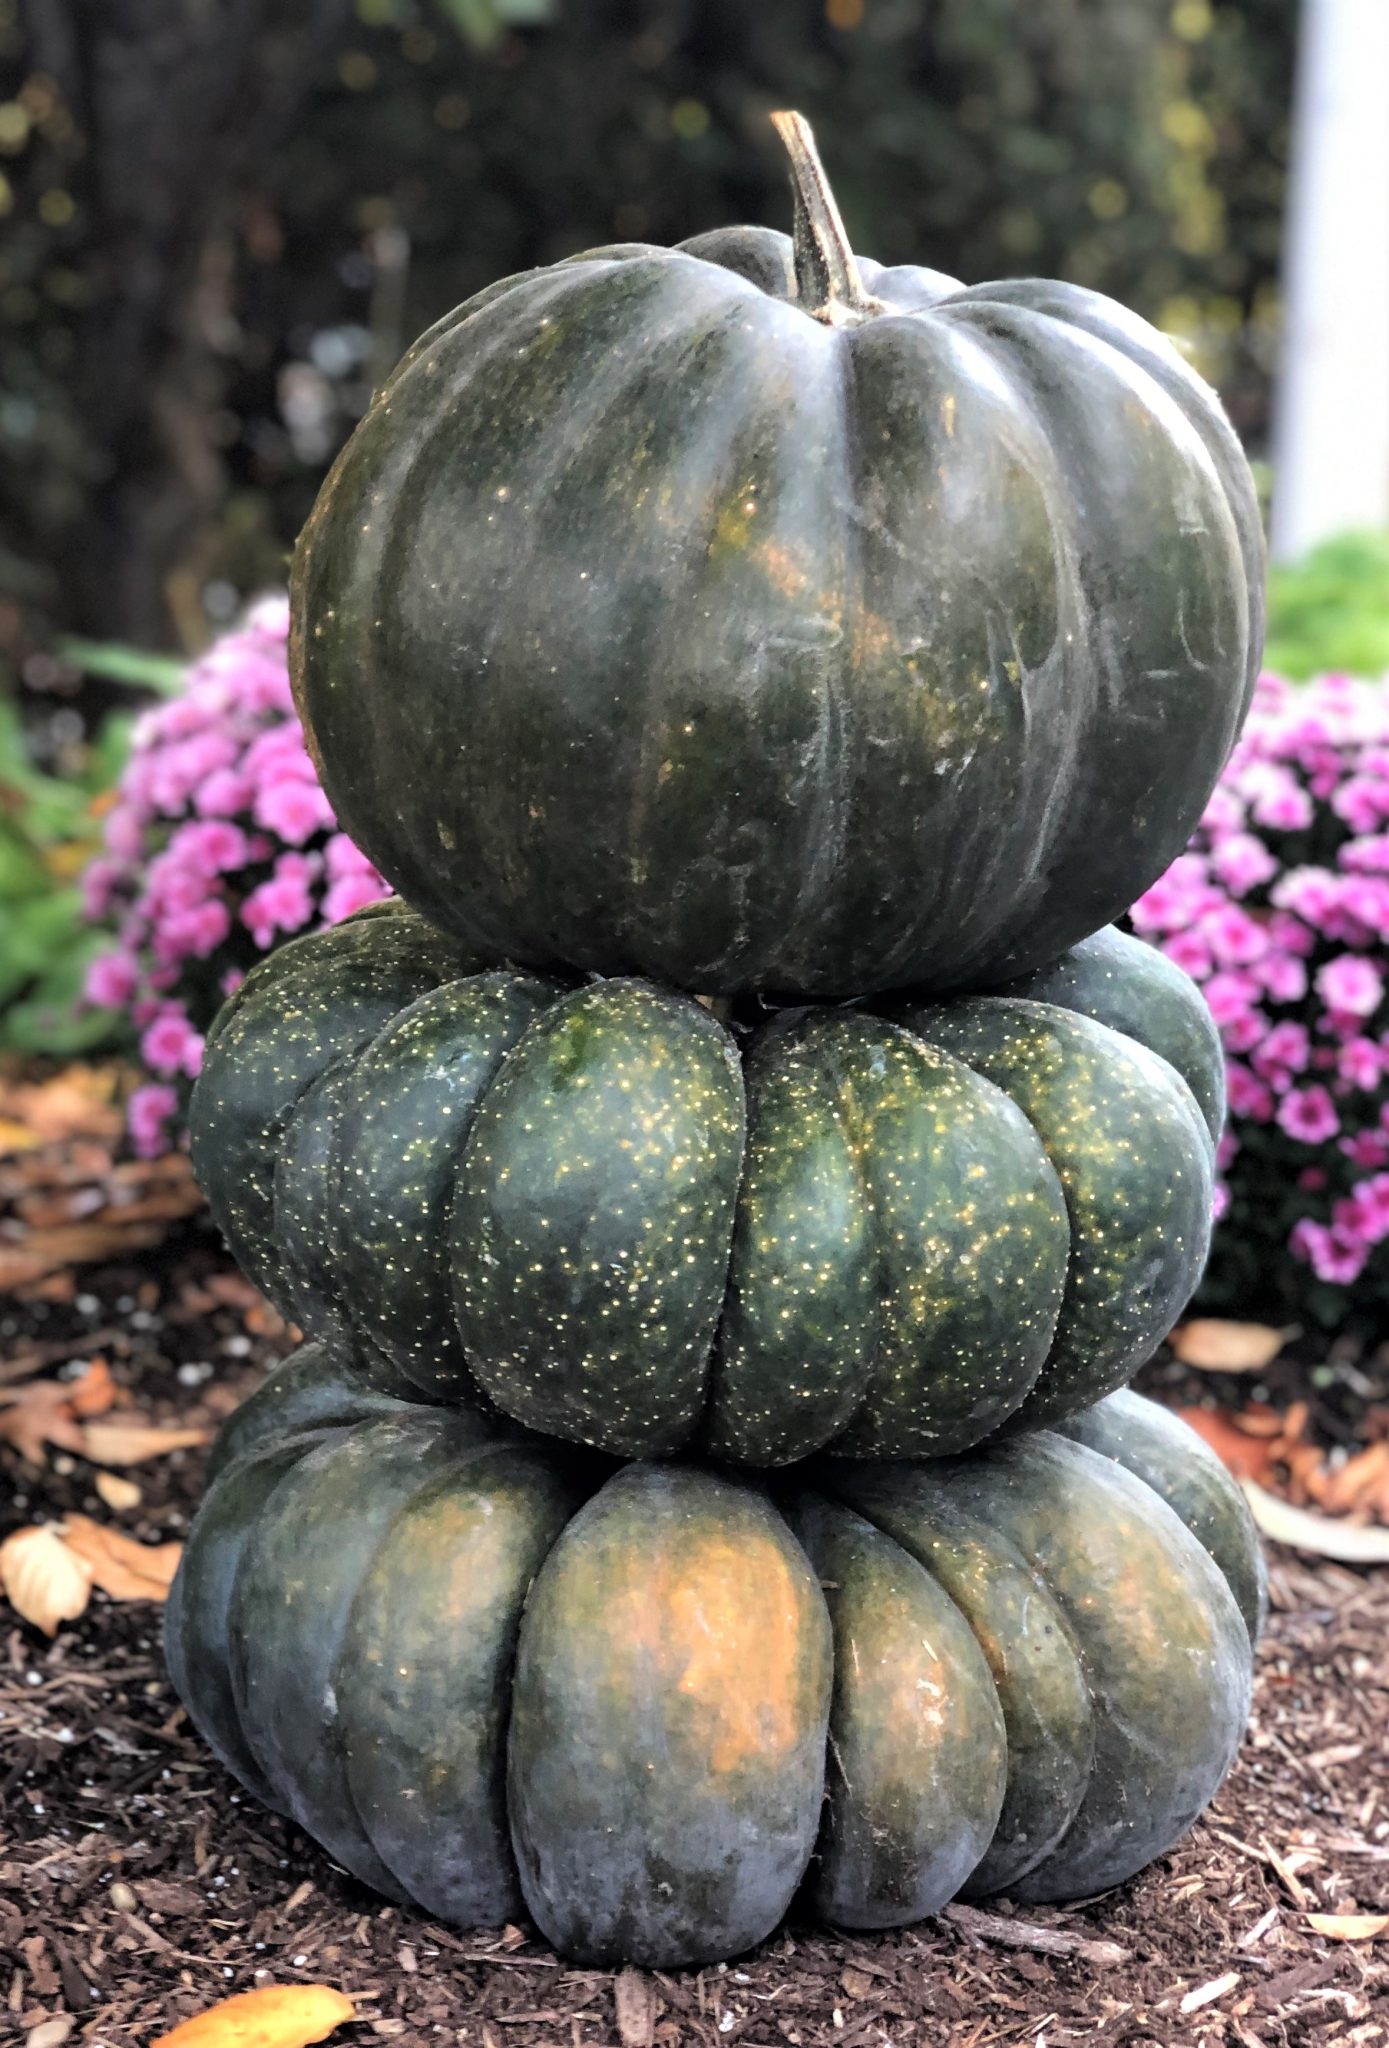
<point>649,1703</point>
<point>649,624</point>
<point>1118,980</point>
<point>624,1223</point>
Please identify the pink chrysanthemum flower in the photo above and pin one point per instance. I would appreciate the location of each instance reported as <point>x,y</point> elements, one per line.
<point>1280,908</point>
<point>220,843</point>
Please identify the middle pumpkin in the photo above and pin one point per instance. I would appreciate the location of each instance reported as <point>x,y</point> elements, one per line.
<point>625,1224</point>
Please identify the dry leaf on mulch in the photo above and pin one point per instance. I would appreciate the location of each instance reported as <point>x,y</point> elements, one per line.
<point>275,2016</point>
<point>120,1494</point>
<point>123,1212</point>
<point>232,1290</point>
<point>1212,1344</point>
<point>39,1415</point>
<point>1322,1535</point>
<point>1240,1450</point>
<point>81,1101</point>
<point>61,1412</point>
<point>55,1411</point>
<point>122,1567</point>
<point>132,1443</point>
<point>44,1581</point>
<point>48,1574</point>
<point>1271,1452</point>
<point>1349,1926</point>
<point>69,1202</point>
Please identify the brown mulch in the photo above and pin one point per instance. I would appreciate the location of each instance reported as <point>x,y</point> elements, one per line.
<point>138,1885</point>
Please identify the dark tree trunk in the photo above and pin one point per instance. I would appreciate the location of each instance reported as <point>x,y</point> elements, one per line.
<point>176,100</point>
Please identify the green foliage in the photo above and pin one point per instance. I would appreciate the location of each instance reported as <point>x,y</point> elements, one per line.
<point>1330,612</point>
<point>485,22</point>
<point>49,829</point>
<point>112,663</point>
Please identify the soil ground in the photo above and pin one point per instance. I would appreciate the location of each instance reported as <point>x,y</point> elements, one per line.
<point>137,1885</point>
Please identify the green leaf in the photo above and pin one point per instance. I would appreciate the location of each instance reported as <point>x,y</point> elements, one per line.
<point>38,934</point>
<point>23,872</point>
<point>117,664</point>
<point>50,1016</point>
<point>108,751</point>
<point>482,22</point>
<point>49,1023</point>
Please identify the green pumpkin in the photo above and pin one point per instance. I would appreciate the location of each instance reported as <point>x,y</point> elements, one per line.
<point>752,617</point>
<point>1118,980</point>
<point>650,1704</point>
<point>624,1222</point>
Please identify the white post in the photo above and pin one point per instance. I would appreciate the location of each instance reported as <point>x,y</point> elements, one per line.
<point>1331,439</point>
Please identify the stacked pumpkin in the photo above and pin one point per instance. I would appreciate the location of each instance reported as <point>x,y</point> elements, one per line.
<point>763,675</point>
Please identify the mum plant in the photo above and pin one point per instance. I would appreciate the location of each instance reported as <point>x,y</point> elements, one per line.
<point>219,845</point>
<point>1280,908</point>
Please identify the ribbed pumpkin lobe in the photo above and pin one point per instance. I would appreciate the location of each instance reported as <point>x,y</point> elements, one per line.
<point>829,283</point>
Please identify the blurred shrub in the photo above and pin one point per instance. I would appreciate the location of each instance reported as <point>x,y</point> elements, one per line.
<point>220,843</point>
<point>1280,908</point>
<point>49,828</point>
<point>1331,610</point>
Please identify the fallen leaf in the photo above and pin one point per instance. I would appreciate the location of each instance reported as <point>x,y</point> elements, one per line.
<point>73,1244</point>
<point>1248,1457</point>
<point>94,1393</point>
<point>275,2016</point>
<point>120,1494</point>
<point>20,1364</point>
<point>57,1286</point>
<point>262,1320</point>
<point>1362,1483</point>
<point>16,1137</point>
<point>1261,1422</point>
<point>1306,1469</point>
<point>233,1290</point>
<point>1349,1926</point>
<point>1349,1542</point>
<point>79,1101</point>
<point>44,1580</point>
<point>39,1414</point>
<point>121,1566</point>
<point>1213,1345</point>
<point>49,1411</point>
<point>130,1443</point>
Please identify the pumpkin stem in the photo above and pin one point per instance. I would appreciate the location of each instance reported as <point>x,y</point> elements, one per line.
<point>828,284</point>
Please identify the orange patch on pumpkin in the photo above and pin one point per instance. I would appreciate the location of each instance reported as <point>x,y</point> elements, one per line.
<point>720,1625</point>
<point>781,568</point>
<point>736,1614</point>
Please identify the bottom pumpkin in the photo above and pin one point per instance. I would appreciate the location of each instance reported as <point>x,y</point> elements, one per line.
<point>651,1703</point>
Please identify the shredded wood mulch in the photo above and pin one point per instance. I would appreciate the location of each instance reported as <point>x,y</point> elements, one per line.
<point>138,1885</point>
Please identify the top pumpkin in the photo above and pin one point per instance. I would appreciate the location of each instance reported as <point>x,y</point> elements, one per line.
<point>750,616</point>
